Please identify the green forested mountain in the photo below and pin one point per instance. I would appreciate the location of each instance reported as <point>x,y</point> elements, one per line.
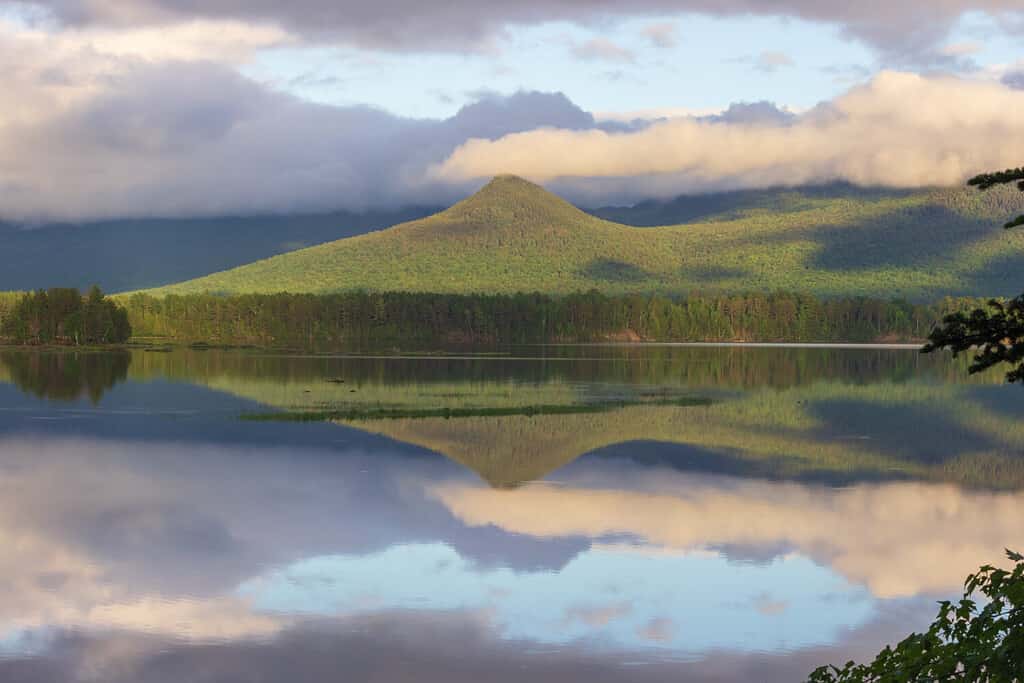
<point>514,236</point>
<point>834,239</point>
<point>735,204</point>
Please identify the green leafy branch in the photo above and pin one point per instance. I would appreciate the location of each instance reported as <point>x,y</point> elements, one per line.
<point>965,643</point>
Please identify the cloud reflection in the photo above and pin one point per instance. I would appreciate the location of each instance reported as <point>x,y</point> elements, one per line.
<point>898,539</point>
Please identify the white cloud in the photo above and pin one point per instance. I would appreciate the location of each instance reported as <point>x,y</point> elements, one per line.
<point>900,129</point>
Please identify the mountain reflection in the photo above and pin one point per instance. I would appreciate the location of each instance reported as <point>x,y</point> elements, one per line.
<point>66,375</point>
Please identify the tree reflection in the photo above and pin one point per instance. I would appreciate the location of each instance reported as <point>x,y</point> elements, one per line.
<point>66,376</point>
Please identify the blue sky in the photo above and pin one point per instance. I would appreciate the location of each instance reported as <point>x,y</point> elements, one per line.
<point>707,64</point>
<point>686,604</point>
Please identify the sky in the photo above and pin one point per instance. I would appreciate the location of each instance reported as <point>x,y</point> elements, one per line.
<point>132,108</point>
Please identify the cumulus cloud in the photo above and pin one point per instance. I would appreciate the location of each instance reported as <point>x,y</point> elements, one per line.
<point>899,130</point>
<point>906,29</point>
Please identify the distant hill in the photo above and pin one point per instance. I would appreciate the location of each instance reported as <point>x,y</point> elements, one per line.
<point>137,254</point>
<point>515,236</point>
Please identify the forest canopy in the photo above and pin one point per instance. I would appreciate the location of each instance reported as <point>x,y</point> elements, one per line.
<point>63,316</point>
<point>361,319</point>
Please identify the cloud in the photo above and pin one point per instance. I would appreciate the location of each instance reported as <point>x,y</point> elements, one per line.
<point>964,49</point>
<point>767,62</point>
<point>771,61</point>
<point>904,30</point>
<point>217,40</point>
<point>753,112</point>
<point>899,130</point>
<point>662,35</point>
<point>1014,79</point>
<point>603,49</point>
<point>109,129</point>
<point>847,74</point>
<point>111,135</point>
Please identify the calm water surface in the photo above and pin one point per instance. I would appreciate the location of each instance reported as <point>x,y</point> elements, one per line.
<point>557,514</point>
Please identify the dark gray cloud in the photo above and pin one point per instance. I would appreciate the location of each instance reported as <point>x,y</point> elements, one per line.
<point>1014,79</point>
<point>762,112</point>
<point>906,30</point>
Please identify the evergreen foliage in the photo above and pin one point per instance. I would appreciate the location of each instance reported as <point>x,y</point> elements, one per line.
<point>995,333</point>
<point>63,316</point>
<point>987,181</point>
<point>364,318</point>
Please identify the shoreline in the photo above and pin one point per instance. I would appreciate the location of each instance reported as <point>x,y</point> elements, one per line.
<point>464,353</point>
<point>761,345</point>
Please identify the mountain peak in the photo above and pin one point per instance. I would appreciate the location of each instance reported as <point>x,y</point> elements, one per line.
<point>510,184</point>
<point>509,198</point>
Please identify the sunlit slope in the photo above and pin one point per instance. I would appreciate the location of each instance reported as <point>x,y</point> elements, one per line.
<point>515,236</point>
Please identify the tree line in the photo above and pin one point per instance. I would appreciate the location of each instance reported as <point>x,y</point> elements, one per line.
<point>396,318</point>
<point>63,316</point>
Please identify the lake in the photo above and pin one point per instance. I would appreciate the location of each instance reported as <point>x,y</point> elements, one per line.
<point>598,513</point>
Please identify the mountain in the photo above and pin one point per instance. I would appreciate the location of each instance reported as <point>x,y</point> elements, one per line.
<point>136,254</point>
<point>514,236</point>
<point>737,204</point>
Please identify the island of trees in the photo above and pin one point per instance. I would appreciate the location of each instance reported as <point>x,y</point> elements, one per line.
<point>62,316</point>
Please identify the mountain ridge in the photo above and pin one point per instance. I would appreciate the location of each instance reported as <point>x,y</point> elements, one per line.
<point>515,236</point>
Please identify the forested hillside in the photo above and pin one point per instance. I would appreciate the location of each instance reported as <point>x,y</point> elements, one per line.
<point>513,236</point>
